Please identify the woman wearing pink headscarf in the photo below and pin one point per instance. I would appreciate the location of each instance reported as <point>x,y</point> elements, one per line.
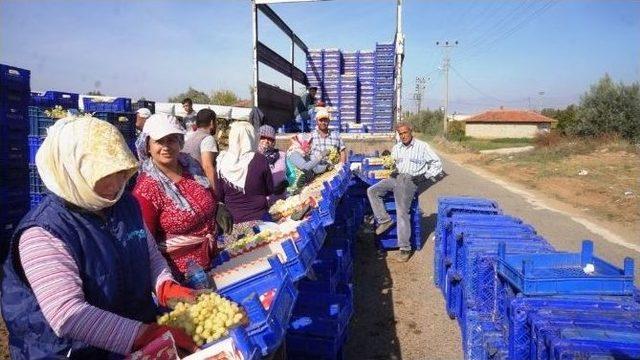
<point>301,166</point>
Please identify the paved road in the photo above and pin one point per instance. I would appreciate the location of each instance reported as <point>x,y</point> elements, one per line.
<point>400,313</point>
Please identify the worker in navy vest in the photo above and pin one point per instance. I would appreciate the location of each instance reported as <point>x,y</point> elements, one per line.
<point>81,268</point>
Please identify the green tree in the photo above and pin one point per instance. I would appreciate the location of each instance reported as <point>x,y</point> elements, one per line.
<point>197,96</point>
<point>426,121</point>
<point>95,93</point>
<point>224,97</point>
<point>566,118</point>
<point>609,108</point>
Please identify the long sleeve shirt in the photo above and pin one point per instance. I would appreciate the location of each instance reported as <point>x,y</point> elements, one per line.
<point>417,158</point>
<point>55,280</point>
<point>315,163</point>
<point>253,203</point>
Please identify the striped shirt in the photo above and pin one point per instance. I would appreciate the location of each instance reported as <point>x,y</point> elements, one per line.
<point>320,143</point>
<point>55,280</point>
<point>417,158</point>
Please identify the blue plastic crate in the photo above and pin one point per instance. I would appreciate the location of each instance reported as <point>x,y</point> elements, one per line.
<point>500,231</point>
<point>461,284</point>
<point>562,273</point>
<point>124,121</point>
<point>473,332</point>
<point>305,347</point>
<point>13,106</point>
<point>267,327</point>
<point>35,183</point>
<point>92,105</point>
<point>548,325</point>
<point>447,243</point>
<point>14,175</point>
<point>14,77</point>
<point>51,98</point>
<point>15,202</point>
<point>321,315</point>
<point>151,105</point>
<point>578,350</point>
<point>38,121</point>
<point>515,323</point>
<point>34,144</point>
<point>476,273</point>
<point>14,151</point>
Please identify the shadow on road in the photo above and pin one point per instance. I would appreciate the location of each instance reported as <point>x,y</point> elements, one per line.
<point>372,334</point>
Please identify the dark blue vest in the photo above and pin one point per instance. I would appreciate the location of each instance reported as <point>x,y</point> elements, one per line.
<point>113,260</point>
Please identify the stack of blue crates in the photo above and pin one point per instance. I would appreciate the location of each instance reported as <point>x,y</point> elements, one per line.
<point>320,320</point>
<point>356,86</point>
<point>39,123</point>
<point>515,297</point>
<point>116,111</point>
<point>348,99</point>
<point>384,84</point>
<point>14,151</point>
<point>366,77</point>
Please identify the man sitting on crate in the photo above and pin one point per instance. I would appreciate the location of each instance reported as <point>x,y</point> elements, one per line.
<point>415,165</point>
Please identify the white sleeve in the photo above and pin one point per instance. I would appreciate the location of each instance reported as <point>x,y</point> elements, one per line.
<point>209,144</point>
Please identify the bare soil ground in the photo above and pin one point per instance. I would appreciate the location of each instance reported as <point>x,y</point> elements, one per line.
<point>602,181</point>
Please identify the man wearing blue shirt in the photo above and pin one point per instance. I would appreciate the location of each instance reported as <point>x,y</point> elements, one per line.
<point>415,163</point>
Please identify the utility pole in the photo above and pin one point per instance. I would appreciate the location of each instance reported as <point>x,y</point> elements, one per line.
<point>399,41</point>
<point>446,46</point>
<point>421,84</point>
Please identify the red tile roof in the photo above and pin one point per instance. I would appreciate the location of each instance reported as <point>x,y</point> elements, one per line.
<point>509,116</point>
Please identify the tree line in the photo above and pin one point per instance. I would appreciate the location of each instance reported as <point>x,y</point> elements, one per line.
<point>606,108</point>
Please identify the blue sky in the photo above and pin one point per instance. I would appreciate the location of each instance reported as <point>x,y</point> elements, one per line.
<point>508,52</point>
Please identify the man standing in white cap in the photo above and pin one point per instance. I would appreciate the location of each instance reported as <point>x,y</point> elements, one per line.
<point>141,117</point>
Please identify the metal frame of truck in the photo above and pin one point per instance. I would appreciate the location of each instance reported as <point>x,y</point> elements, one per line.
<point>278,104</point>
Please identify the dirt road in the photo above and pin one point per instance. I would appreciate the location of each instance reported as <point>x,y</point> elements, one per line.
<point>400,313</point>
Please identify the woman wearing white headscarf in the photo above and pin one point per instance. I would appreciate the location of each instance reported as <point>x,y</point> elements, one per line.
<point>81,267</point>
<point>245,183</point>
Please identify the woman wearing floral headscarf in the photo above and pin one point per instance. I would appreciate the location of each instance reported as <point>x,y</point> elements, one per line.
<point>81,268</point>
<point>301,166</point>
<point>177,202</point>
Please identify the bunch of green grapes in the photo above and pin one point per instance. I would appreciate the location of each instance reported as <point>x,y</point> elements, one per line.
<point>56,113</point>
<point>333,156</point>
<point>209,319</point>
<point>388,162</point>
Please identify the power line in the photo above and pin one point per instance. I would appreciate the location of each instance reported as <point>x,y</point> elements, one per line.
<point>473,86</point>
<point>489,45</point>
<point>499,25</point>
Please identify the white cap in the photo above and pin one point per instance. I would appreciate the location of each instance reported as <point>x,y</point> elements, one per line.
<point>322,113</point>
<point>161,125</point>
<point>144,112</point>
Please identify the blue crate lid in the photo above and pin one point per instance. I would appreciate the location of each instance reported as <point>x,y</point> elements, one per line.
<point>106,104</point>
<point>563,273</point>
<point>14,77</point>
<point>53,98</point>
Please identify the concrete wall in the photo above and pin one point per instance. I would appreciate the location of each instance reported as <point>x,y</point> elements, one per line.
<point>496,131</point>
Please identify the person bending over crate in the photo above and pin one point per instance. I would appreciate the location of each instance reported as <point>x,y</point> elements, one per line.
<point>415,163</point>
